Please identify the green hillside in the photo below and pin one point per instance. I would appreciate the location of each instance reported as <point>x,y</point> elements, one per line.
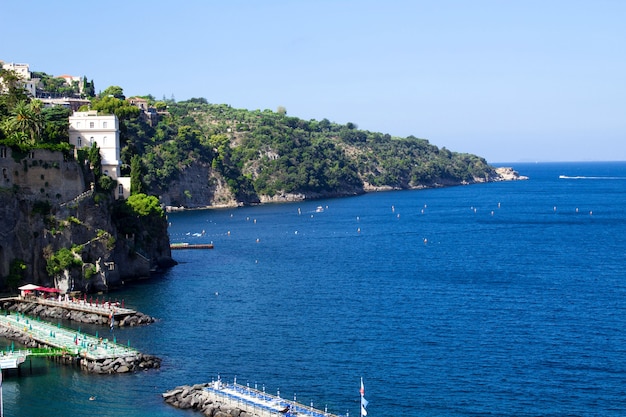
<point>267,152</point>
<point>256,153</point>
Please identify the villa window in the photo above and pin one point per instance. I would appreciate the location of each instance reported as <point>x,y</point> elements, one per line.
<point>78,142</point>
<point>104,125</point>
<point>120,190</point>
<point>3,152</point>
<point>91,140</point>
<point>91,125</point>
<point>104,141</point>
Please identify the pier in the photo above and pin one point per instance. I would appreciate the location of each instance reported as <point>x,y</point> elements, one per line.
<point>72,342</point>
<point>104,308</point>
<point>227,396</point>
<point>260,403</point>
<point>13,359</point>
<point>72,347</point>
<point>175,246</point>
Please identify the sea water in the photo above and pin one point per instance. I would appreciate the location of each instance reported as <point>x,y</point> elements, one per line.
<point>491,299</point>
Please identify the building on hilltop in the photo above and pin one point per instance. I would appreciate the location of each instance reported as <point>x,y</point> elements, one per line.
<point>148,113</point>
<point>23,72</point>
<point>72,79</point>
<point>87,128</point>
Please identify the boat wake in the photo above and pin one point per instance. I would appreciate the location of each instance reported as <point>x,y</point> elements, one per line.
<point>567,177</point>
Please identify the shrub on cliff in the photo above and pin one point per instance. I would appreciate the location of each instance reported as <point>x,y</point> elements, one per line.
<point>61,260</point>
<point>137,209</point>
<point>145,205</point>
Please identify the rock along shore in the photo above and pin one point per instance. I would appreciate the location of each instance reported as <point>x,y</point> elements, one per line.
<point>195,398</point>
<point>60,313</point>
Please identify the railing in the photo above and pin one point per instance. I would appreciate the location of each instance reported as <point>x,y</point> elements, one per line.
<point>261,403</point>
<point>78,198</point>
<point>72,341</point>
<point>103,309</point>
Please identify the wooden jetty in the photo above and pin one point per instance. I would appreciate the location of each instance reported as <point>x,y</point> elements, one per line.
<point>177,246</point>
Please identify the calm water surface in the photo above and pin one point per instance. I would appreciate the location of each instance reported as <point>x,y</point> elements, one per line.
<point>493,299</point>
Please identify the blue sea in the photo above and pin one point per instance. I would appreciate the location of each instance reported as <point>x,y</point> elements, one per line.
<point>504,299</point>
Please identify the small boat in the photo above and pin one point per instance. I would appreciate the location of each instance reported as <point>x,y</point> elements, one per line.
<point>319,209</point>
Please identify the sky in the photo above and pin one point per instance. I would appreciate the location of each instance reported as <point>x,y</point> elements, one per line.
<point>511,81</point>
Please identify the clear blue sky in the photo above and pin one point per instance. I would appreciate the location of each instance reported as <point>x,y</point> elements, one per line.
<point>526,80</point>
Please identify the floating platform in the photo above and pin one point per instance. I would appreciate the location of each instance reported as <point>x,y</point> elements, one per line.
<point>175,246</point>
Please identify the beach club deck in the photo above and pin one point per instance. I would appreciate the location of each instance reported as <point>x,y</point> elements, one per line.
<point>259,402</point>
<point>101,308</point>
<point>72,341</point>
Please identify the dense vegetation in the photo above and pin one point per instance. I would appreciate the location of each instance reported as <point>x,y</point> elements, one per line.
<point>266,152</point>
<point>255,152</point>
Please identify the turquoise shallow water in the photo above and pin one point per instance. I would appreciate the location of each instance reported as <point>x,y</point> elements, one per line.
<point>501,299</point>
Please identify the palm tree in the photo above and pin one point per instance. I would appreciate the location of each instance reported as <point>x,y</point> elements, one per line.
<point>26,118</point>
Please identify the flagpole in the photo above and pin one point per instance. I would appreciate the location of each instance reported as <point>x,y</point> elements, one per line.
<point>1,399</point>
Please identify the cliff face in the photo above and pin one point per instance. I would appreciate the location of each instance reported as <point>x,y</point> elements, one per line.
<point>198,186</point>
<point>45,207</point>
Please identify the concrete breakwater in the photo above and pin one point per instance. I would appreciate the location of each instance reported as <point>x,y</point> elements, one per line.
<point>93,354</point>
<point>68,313</point>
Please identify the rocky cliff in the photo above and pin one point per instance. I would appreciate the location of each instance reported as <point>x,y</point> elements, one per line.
<point>199,186</point>
<point>45,206</point>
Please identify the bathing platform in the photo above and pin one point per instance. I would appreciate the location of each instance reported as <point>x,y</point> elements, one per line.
<point>69,342</point>
<point>101,308</point>
<point>260,403</point>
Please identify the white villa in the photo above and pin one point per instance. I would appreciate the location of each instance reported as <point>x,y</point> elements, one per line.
<point>87,128</point>
<point>23,72</point>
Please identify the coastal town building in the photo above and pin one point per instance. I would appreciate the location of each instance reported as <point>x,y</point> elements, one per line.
<point>148,113</point>
<point>23,72</point>
<point>89,127</point>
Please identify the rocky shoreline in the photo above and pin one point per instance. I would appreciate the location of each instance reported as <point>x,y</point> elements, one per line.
<point>60,313</point>
<point>195,398</point>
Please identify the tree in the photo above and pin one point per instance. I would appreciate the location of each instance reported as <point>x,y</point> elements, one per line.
<point>95,159</point>
<point>17,270</point>
<point>61,260</point>
<point>115,91</point>
<point>144,205</point>
<point>136,186</point>
<point>56,124</point>
<point>88,88</point>
<point>15,91</point>
<point>26,121</point>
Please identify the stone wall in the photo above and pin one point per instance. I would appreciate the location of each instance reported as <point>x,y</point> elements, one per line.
<point>41,175</point>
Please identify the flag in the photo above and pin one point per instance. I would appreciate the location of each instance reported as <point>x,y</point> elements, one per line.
<point>364,402</point>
